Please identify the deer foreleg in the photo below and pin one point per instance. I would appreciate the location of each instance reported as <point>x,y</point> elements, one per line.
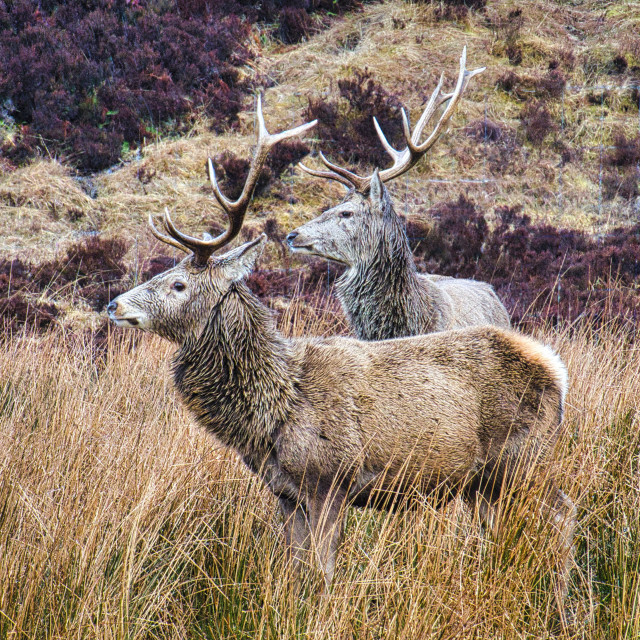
<point>326,517</point>
<point>564,518</point>
<point>296,532</point>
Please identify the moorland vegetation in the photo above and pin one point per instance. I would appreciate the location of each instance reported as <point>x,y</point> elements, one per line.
<point>118,517</point>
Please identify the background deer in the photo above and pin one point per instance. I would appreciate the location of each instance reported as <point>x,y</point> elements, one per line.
<point>337,421</point>
<point>381,292</point>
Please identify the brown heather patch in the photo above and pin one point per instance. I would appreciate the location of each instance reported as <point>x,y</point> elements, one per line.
<point>541,273</point>
<point>43,207</point>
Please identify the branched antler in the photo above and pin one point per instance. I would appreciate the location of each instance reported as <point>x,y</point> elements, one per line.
<point>235,209</point>
<point>409,156</point>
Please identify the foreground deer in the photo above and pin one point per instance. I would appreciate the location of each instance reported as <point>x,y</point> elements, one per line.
<point>336,421</point>
<point>381,292</point>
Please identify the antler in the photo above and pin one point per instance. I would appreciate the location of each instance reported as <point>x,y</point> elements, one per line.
<point>409,156</point>
<point>235,209</point>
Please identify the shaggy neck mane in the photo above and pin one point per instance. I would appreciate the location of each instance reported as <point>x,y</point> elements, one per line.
<point>235,376</point>
<point>381,293</point>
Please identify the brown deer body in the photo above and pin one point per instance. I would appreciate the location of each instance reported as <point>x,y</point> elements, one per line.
<point>338,421</point>
<point>381,292</point>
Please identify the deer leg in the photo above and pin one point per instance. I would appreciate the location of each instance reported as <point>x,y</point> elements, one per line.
<point>556,507</point>
<point>487,513</point>
<point>482,492</point>
<point>563,515</point>
<point>327,517</point>
<point>297,533</point>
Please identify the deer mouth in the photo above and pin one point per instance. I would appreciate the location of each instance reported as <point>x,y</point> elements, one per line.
<point>311,248</point>
<point>298,244</point>
<point>302,248</point>
<point>130,321</point>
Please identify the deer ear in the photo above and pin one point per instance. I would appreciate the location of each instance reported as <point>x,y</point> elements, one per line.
<point>239,262</point>
<point>376,192</point>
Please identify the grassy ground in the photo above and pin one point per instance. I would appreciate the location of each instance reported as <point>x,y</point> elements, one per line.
<point>121,519</point>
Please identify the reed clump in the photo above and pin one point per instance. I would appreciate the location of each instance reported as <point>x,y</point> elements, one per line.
<point>119,518</point>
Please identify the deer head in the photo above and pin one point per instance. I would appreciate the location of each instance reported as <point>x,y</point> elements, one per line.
<point>176,303</point>
<point>356,225</point>
<point>350,231</point>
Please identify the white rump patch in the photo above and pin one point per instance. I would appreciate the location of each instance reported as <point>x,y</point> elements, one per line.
<point>559,368</point>
<point>547,356</point>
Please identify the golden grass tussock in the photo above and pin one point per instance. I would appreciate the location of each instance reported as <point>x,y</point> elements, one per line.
<point>37,206</point>
<point>119,518</point>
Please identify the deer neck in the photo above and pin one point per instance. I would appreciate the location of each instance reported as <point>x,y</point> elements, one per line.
<point>235,376</point>
<point>381,294</point>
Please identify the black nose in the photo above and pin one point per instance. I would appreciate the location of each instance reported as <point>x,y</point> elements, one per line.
<point>292,236</point>
<point>111,307</point>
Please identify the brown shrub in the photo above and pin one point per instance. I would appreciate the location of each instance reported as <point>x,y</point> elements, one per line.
<point>507,31</point>
<point>295,24</point>
<point>484,131</point>
<point>91,270</point>
<point>618,65</point>
<point>345,120</point>
<point>626,152</point>
<point>508,81</point>
<point>537,122</point>
<point>623,183</point>
<point>552,84</point>
<point>18,313</point>
<point>233,170</point>
<point>541,272</point>
<point>500,148</point>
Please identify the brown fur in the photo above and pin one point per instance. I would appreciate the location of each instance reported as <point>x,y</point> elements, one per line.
<point>381,292</point>
<point>329,422</point>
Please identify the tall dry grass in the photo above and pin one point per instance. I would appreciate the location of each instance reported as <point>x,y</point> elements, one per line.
<point>119,518</point>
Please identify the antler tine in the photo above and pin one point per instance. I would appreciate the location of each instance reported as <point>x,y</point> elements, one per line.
<point>428,112</point>
<point>394,153</point>
<point>235,209</point>
<point>163,238</point>
<point>409,156</point>
<point>340,174</point>
<point>400,158</point>
<point>453,98</point>
<point>200,248</point>
<point>330,175</point>
<point>358,182</point>
<point>404,160</point>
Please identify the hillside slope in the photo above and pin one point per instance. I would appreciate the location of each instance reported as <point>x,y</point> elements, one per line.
<point>549,130</point>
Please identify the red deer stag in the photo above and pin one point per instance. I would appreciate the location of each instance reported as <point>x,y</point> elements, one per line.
<point>381,292</point>
<point>336,421</point>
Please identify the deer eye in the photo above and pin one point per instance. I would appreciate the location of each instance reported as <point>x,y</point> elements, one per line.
<point>346,214</point>
<point>178,286</point>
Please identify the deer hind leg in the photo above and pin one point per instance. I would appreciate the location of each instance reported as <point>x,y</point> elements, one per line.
<point>482,492</point>
<point>563,516</point>
<point>528,475</point>
<point>494,492</point>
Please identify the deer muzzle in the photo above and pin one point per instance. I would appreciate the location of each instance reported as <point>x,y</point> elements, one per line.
<point>297,242</point>
<point>122,316</point>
